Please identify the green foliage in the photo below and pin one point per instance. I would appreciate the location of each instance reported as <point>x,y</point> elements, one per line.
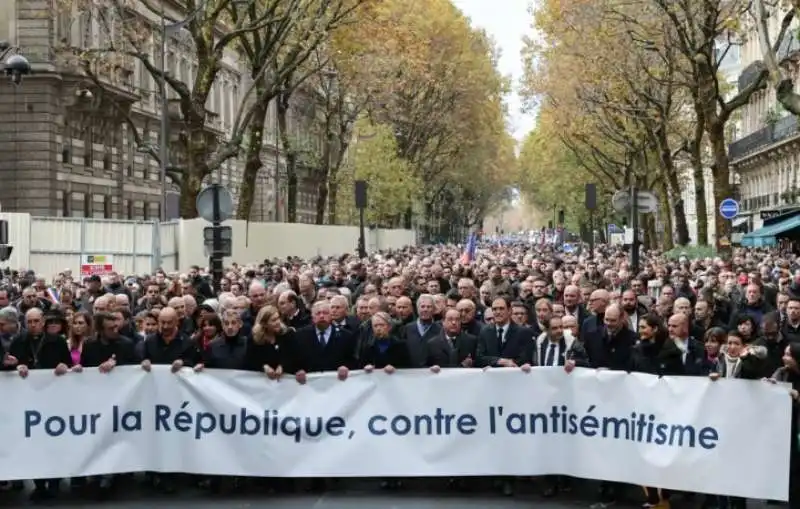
<point>392,183</point>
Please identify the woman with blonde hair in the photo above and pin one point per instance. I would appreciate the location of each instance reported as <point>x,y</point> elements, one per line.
<point>272,347</point>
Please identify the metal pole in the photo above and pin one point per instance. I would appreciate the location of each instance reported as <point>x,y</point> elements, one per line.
<point>591,235</point>
<point>163,153</point>
<point>362,241</point>
<point>635,227</point>
<point>216,247</point>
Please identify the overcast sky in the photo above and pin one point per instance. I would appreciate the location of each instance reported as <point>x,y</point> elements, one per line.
<point>507,21</point>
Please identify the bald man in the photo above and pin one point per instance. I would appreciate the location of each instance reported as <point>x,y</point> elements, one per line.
<point>169,345</point>
<point>598,301</point>
<point>572,304</point>
<point>610,346</point>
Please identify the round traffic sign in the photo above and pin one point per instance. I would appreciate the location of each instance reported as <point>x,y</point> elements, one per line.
<point>205,203</point>
<point>729,208</point>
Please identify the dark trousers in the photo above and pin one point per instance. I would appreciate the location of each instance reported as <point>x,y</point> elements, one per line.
<point>656,495</point>
<point>50,485</point>
<point>731,502</point>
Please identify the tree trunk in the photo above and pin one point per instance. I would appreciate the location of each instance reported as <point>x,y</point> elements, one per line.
<point>195,171</point>
<point>325,175</point>
<point>290,154</point>
<point>252,165</point>
<point>190,186</point>
<point>333,195</point>
<point>668,168</point>
<point>698,174</point>
<point>322,198</point>
<point>333,182</point>
<point>722,186</point>
<point>648,227</point>
<point>681,226</point>
<point>666,212</point>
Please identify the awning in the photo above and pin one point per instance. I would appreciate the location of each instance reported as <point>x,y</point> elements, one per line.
<point>739,222</point>
<point>767,236</point>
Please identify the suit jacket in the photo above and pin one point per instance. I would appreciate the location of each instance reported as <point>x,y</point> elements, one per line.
<point>564,347</point>
<point>600,351</point>
<point>518,344</point>
<point>443,353</point>
<point>583,314</point>
<point>591,326</point>
<point>350,324</point>
<point>418,344</point>
<point>312,356</point>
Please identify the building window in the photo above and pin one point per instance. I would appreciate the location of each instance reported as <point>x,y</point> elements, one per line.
<point>159,213</point>
<point>65,156</point>
<point>146,211</point>
<point>107,162</point>
<point>87,205</point>
<point>66,205</point>
<point>128,209</point>
<point>107,208</point>
<point>87,148</point>
<point>129,170</point>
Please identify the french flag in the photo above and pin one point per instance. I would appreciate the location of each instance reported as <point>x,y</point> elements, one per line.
<point>469,249</point>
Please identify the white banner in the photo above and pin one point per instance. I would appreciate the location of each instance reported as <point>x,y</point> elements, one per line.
<point>727,437</point>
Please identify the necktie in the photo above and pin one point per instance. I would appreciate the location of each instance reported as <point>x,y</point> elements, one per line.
<point>551,355</point>
<point>322,338</point>
<point>500,336</point>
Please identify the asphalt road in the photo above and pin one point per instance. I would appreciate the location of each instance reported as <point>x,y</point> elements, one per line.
<point>426,494</point>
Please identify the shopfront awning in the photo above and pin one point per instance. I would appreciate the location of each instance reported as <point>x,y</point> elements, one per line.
<point>739,221</point>
<point>768,235</point>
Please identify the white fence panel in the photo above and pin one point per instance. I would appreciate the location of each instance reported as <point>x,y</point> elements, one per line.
<point>168,234</point>
<point>49,245</point>
<point>64,242</point>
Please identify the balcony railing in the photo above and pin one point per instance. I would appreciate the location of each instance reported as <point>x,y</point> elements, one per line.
<point>764,137</point>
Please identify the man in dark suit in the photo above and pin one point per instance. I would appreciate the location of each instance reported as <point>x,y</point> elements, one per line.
<point>607,347</point>
<point>504,344</point>
<point>340,317</point>
<point>692,350</point>
<point>452,348</point>
<point>572,304</point>
<point>595,323</point>
<point>323,347</point>
<point>292,310</point>
<point>420,331</point>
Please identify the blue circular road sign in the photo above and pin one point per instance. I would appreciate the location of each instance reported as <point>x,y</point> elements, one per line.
<point>729,208</point>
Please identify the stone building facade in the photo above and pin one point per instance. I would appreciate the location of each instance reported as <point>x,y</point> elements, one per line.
<point>65,150</point>
<point>765,155</point>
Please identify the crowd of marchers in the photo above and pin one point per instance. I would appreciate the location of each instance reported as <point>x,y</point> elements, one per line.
<point>514,306</point>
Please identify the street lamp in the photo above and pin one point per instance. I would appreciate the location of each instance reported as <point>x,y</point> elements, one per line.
<point>16,66</point>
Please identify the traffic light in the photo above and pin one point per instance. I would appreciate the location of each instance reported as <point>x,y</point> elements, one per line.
<point>561,217</point>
